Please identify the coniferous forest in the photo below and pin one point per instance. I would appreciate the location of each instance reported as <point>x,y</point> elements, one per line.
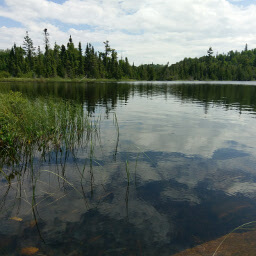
<point>69,61</point>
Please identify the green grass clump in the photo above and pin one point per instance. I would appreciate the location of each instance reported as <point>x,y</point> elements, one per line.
<point>40,124</point>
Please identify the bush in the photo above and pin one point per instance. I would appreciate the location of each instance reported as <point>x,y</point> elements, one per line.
<point>4,74</point>
<point>27,75</point>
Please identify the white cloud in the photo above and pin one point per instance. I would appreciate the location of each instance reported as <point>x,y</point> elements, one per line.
<point>146,31</point>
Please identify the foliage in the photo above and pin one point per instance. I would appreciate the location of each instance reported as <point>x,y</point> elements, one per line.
<point>38,125</point>
<point>4,74</point>
<point>236,66</point>
<point>71,62</point>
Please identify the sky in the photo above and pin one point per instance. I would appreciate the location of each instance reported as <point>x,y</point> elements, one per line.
<point>145,31</point>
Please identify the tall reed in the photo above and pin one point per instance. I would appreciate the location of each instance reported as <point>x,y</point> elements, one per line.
<point>38,125</point>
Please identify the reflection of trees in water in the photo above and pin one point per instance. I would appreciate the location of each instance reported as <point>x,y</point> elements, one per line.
<point>109,94</point>
<point>238,96</point>
<point>91,95</point>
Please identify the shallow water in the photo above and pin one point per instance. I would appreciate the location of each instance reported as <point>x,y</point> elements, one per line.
<point>177,171</point>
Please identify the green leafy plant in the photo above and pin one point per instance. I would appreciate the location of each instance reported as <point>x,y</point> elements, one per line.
<point>39,125</point>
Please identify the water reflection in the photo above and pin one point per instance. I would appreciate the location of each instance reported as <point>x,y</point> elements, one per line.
<point>174,169</point>
<point>232,94</point>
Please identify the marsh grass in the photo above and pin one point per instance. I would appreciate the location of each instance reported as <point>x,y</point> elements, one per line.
<point>34,131</point>
<point>40,125</point>
<point>31,131</point>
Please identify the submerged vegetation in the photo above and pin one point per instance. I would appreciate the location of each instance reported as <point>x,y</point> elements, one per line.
<point>68,62</point>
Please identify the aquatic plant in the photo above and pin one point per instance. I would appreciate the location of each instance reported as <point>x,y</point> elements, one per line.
<point>127,172</point>
<point>38,125</point>
<point>245,226</point>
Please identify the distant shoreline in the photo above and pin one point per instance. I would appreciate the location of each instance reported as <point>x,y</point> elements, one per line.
<point>59,79</point>
<point>91,80</point>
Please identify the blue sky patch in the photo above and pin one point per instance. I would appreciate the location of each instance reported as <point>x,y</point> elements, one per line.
<point>9,23</point>
<point>242,2</point>
<point>2,3</point>
<point>57,1</point>
<point>134,33</point>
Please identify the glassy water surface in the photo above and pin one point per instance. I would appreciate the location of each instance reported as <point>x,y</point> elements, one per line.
<point>170,167</point>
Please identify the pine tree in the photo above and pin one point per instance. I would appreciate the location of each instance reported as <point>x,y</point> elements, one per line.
<point>46,41</point>
<point>80,60</point>
<point>210,52</point>
<point>39,66</point>
<point>47,64</point>
<point>29,51</point>
<point>106,59</point>
<point>63,62</point>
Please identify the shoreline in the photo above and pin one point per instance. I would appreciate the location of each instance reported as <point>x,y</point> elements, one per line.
<point>91,80</point>
<point>58,79</point>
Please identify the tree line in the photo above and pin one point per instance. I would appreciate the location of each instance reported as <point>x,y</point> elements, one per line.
<point>69,61</point>
<point>234,66</point>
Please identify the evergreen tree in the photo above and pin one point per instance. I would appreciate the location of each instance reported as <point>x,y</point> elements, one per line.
<point>63,62</point>
<point>70,58</point>
<point>29,51</point>
<point>4,58</point>
<point>210,52</point>
<point>71,62</point>
<point>47,64</point>
<point>39,68</point>
<point>80,60</point>
<point>46,41</point>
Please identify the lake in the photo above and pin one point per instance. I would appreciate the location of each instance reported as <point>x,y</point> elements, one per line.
<point>171,166</point>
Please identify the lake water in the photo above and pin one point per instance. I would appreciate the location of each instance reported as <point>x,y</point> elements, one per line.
<point>173,166</point>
